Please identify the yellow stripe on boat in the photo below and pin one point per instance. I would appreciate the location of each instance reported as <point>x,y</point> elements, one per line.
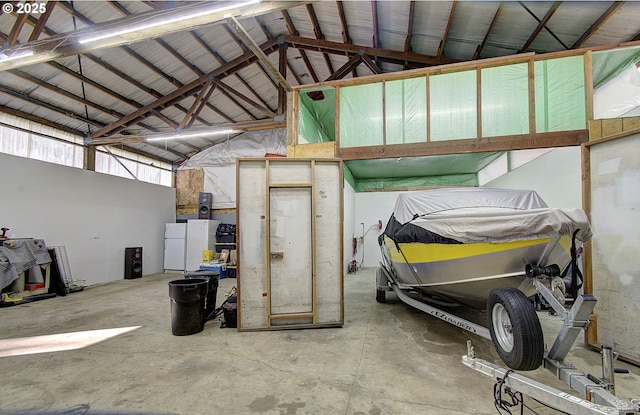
<point>416,252</point>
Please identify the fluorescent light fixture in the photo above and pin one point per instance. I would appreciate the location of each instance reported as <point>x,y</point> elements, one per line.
<point>166,21</point>
<point>190,135</point>
<point>4,57</point>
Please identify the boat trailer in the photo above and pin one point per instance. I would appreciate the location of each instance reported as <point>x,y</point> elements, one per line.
<point>597,394</point>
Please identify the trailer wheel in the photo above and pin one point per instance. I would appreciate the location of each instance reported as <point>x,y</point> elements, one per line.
<point>515,329</point>
<point>381,282</point>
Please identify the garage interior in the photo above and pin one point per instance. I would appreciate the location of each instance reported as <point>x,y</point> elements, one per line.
<point>296,125</point>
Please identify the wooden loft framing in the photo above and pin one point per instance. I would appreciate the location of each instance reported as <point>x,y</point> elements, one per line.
<point>532,139</point>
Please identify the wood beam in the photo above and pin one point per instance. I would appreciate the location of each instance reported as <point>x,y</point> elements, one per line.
<point>374,18</point>
<point>282,68</point>
<point>346,68</point>
<point>541,25</point>
<point>67,7</point>
<point>156,113</point>
<point>446,30</point>
<point>433,148</point>
<point>235,64</point>
<point>371,64</point>
<point>21,19</point>
<point>155,69</point>
<point>49,106</point>
<point>343,22</point>
<point>294,32</point>
<point>319,35</point>
<point>407,40</point>
<point>393,56</point>
<point>598,24</point>
<point>246,99</point>
<point>222,61</point>
<point>268,34</point>
<point>524,6</point>
<point>476,55</point>
<point>64,93</point>
<point>204,101</point>
<point>42,21</point>
<point>31,117</point>
<point>204,92</point>
<point>244,48</point>
<point>257,50</point>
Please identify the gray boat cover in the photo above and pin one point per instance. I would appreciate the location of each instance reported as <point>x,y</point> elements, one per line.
<point>472,215</point>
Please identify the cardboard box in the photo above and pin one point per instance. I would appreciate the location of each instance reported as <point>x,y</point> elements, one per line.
<point>222,257</point>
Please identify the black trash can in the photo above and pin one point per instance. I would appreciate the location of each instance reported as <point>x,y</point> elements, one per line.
<point>187,305</point>
<point>212,278</point>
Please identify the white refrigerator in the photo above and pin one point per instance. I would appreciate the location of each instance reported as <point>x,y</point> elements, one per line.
<point>175,246</point>
<point>201,236</point>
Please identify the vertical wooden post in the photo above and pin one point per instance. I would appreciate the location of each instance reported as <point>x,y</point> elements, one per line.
<point>479,102</point>
<point>89,158</point>
<point>313,244</point>
<point>591,333</point>
<point>532,96</point>
<point>282,93</point>
<point>384,112</point>
<point>428,86</point>
<point>337,120</point>
<point>267,232</point>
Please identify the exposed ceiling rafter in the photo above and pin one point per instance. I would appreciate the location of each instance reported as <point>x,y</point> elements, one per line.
<point>318,33</point>
<point>476,54</point>
<point>303,54</point>
<point>241,61</point>
<point>598,24</point>
<point>541,25</point>
<point>393,56</point>
<point>524,6</point>
<point>446,30</point>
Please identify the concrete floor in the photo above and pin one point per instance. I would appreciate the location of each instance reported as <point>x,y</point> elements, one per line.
<point>387,359</point>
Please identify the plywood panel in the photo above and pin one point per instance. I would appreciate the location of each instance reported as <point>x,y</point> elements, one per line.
<point>189,184</point>
<point>615,174</point>
<point>290,272</point>
<point>317,150</point>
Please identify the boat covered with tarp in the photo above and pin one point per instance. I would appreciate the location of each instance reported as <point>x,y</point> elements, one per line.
<point>458,244</point>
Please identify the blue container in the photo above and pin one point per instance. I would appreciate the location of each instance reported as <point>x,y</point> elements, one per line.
<point>219,268</point>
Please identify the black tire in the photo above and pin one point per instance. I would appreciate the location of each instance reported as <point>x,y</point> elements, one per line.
<point>515,329</point>
<point>381,296</point>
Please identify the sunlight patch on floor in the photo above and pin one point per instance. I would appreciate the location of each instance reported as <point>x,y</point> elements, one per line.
<point>58,342</point>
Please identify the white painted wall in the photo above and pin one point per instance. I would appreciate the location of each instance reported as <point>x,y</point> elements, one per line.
<point>369,208</point>
<point>348,223</point>
<point>95,216</point>
<point>615,174</point>
<point>556,176</point>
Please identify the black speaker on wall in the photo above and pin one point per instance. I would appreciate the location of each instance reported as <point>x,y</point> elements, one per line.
<point>133,262</point>
<point>204,205</point>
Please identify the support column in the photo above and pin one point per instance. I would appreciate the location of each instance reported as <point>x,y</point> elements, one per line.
<point>282,93</point>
